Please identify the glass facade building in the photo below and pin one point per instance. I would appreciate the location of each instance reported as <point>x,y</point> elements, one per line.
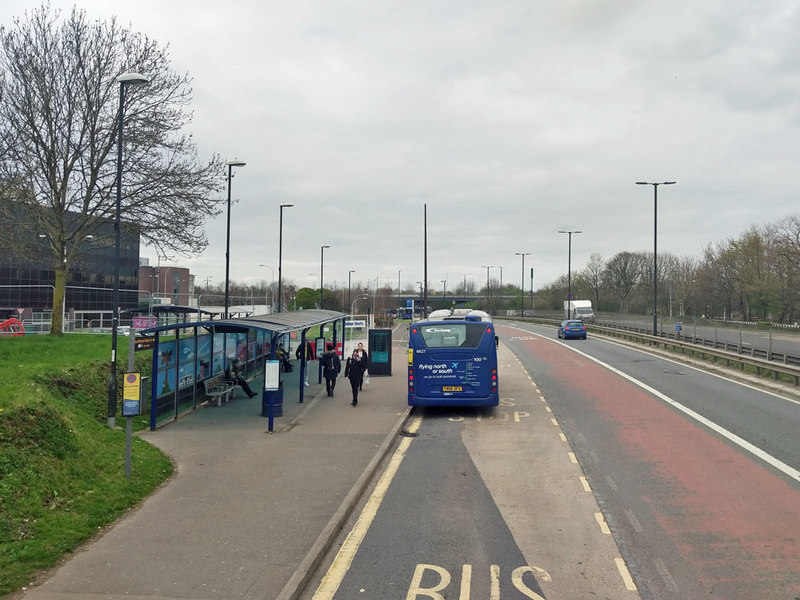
<point>27,275</point>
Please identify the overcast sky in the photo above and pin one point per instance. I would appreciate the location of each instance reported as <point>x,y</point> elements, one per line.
<point>509,119</point>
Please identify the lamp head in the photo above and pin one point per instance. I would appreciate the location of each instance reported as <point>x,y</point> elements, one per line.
<point>236,163</point>
<point>132,78</point>
<point>286,204</point>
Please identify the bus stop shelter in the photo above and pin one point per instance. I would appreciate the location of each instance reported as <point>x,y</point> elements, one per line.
<point>187,353</point>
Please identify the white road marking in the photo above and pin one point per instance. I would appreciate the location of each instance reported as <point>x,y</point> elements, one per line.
<point>742,443</point>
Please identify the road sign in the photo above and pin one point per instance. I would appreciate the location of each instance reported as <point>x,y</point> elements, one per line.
<point>145,343</point>
<point>131,395</point>
<point>144,322</point>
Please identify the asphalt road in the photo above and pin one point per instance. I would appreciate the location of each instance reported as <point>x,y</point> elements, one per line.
<point>482,504</point>
<point>605,473</point>
<point>697,475</point>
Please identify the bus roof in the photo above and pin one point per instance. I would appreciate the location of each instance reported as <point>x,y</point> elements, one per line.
<point>459,314</point>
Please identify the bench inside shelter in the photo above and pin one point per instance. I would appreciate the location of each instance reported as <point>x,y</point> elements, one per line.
<point>219,390</point>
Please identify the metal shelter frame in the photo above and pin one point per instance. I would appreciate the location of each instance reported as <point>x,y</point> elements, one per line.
<point>182,362</point>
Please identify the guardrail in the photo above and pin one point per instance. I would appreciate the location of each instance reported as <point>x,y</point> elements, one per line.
<point>786,365</point>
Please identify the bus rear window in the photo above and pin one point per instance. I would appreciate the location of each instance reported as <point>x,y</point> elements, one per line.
<point>452,335</point>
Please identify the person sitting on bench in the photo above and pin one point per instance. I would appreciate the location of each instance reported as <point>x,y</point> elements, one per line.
<point>234,375</point>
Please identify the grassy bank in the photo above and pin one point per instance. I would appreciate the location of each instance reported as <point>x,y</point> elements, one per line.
<point>62,470</point>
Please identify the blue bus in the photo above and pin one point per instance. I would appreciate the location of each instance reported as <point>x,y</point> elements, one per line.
<point>452,361</point>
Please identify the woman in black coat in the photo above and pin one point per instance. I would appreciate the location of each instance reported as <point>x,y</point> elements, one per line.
<point>354,371</point>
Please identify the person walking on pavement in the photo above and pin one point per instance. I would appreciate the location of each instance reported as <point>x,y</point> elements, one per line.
<point>309,357</point>
<point>362,352</point>
<point>354,371</point>
<point>331,366</point>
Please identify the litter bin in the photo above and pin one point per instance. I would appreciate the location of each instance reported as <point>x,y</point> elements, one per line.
<point>274,398</point>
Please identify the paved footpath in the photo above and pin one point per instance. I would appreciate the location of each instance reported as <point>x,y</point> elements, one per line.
<point>248,513</point>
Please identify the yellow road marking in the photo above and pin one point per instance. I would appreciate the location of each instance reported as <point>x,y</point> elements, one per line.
<point>333,578</point>
<point>626,575</point>
<point>602,522</point>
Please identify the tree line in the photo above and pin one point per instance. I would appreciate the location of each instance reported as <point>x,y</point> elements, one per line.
<point>752,277</point>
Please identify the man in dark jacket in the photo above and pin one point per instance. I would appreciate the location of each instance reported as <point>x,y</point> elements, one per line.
<point>331,366</point>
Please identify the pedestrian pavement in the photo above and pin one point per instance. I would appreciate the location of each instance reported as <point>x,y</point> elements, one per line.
<point>248,513</point>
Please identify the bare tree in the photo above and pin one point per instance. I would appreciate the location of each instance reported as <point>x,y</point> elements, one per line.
<point>58,131</point>
<point>622,275</point>
<point>685,279</point>
<point>591,277</point>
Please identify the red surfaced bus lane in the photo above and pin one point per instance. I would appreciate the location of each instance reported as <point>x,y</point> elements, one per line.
<point>731,522</point>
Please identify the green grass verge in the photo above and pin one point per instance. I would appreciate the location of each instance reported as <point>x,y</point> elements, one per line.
<point>62,470</point>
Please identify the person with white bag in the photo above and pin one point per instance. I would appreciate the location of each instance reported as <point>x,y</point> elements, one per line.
<point>362,353</point>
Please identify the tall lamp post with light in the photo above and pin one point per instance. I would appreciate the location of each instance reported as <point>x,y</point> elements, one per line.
<point>271,270</point>
<point>569,270</point>
<point>487,267</point>
<point>231,164</point>
<point>321,267</point>
<point>349,274</point>
<point>280,250</point>
<point>124,81</point>
<point>522,282</point>
<point>655,247</point>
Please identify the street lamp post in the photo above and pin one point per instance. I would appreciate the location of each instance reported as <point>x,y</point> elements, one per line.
<point>280,252</point>
<point>349,274</point>
<point>655,247</point>
<point>487,267</point>
<point>124,80</point>
<point>271,270</point>
<point>321,266</point>
<point>522,282</point>
<point>231,164</point>
<point>569,270</point>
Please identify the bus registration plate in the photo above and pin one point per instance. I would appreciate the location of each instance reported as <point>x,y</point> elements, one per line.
<point>452,388</point>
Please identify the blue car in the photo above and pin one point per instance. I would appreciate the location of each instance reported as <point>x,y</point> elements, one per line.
<point>572,329</point>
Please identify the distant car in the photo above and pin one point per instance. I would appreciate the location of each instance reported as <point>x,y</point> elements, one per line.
<point>572,329</point>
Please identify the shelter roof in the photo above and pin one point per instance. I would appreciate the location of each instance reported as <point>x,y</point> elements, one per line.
<point>278,323</point>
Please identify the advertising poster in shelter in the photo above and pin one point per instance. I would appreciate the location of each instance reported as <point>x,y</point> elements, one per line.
<point>166,377</point>
<point>219,359</point>
<point>203,357</point>
<point>186,364</point>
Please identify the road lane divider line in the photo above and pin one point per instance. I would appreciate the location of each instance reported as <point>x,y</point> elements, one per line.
<point>622,567</point>
<point>344,558</point>
<point>718,429</point>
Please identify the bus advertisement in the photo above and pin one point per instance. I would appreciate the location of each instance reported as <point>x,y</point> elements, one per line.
<point>452,363</point>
